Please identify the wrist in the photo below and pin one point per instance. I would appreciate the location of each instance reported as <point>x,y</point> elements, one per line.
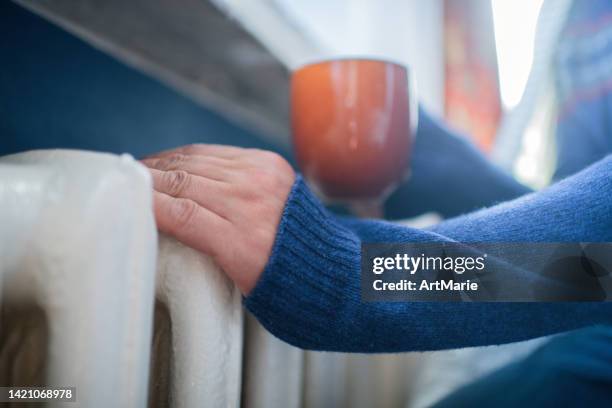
<point>310,248</point>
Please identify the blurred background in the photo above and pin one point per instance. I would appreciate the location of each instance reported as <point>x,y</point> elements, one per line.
<point>140,76</point>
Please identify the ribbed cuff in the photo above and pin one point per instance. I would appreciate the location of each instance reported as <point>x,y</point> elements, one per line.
<point>313,270</point>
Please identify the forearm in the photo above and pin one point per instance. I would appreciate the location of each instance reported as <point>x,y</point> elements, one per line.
<point>445,165</point>
<point>577,209</point>
<point>309,294</point>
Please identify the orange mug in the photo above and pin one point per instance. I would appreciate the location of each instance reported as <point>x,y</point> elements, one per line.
<point>353,124</point>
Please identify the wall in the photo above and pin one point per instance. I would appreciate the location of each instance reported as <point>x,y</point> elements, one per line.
<point>58,91</point>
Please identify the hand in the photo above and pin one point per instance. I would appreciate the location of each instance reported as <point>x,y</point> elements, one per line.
<point>224,201</point>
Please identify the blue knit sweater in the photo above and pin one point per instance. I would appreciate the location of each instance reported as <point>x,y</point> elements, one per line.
<point>309,294</point>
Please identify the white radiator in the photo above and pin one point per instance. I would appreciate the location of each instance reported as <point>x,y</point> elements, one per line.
<point>92,298</point>
<point>78,256</point>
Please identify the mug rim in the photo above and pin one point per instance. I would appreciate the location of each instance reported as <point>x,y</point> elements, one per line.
<point>329,60</point>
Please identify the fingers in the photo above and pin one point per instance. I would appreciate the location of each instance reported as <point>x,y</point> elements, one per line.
<point>228,152</point>
<point>190,223</point>
<point>213,168</point>
<point>224,201</point>
<point>180,184</point>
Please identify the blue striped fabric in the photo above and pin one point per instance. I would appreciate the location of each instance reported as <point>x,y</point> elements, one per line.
<point>583,74</point>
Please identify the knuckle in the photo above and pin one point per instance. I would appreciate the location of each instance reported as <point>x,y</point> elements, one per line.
<point>177,182</point>
<point>172,162</point>
<point>184,212</point>
<point>193,148</point>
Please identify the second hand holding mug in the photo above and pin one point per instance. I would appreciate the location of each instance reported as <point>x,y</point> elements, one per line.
<point>353,125</point>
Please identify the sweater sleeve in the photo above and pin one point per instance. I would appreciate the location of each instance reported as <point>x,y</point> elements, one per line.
<point>309,294</point>
<point>445,164</point>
